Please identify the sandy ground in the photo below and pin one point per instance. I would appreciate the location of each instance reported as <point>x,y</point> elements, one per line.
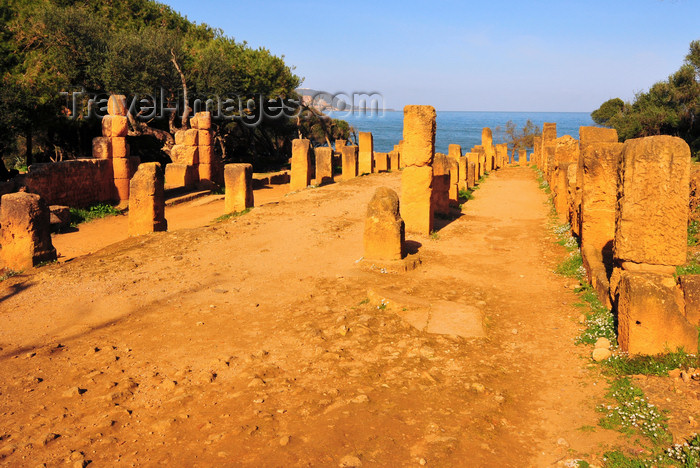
<point>262,341</point>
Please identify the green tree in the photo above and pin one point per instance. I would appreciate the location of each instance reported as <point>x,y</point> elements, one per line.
<point>607,110</point>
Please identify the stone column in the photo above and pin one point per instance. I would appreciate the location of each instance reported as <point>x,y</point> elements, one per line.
<point>454,152</point>
<point>549,135</point>
<point>502,154</point>
<point>201,122</point>
<point>650,241</point>
<point>416,179</point>
<point>381,162</point>
<point>114,131</point>
<point>184,169</point>
<point>453,190</point>
<point>365,162</point>
<point>324,165</point>
<point>349,162</point>
<point>522,157</point>
<point>394,162</point>
<point>384,229</point>
<point>238,179</point>
<point>400,149</point>
<point>147,200</point>
<point>472,175</point>
<point>566,152</point>
<point>489,150</point>
<point>441,184</point>
<point>25,233</point>
<point>301,165</point>
<point>463,163</point>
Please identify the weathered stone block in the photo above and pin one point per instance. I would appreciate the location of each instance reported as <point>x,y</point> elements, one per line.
<point>25,235</point>
<point>116,105</point>
<point>189,137</point>
<point>239,187</point>
<point>489,150</point>
<point>147,200</point>
<point>119,148</point>
<point>301,165</point>
<point>187,155</point>
<point>206,173</point>
<point>205,154</point>
<point>381,162</point>
<point>384,229</point>
<point>690,285</point>
<point>560,189</point>
<point>441,184</point>
<point>522,157</point>
<point>591,135</point>
<point>418,136</point>
<point>124,168</point>
<point>454,152</point>
<point>204,137</point>
<point>599,198</point>
<point>201,121</point>
<point>101,148</point>
<point>650,318</point>
<point>59,217</point>
<point>416,193</point>
<point>114,126</point>
<point>324,165</point>
<point>502,154</point>
<point>394,161</point>
<point>472,176</point>
<point>652,201</point>
<point>349,162</point>
<point>453,191</point>
<point>463,163</point>
<point>365,162</point>
<point>180,175</point>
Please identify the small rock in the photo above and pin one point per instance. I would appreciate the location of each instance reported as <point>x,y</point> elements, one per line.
<point>515,331</point>
<point>199,324</point>
<point>343,330</point>
<point>685,376</point>
<point>478,388</point>
<point>256,382</point>
<point>602,343</point>
<point>562,441</point>
<point>360,399</point>
<point>422,462</point>
<point>581,319</point>
<point>674,374</point>
<point>284,440</point>
<point>73,391</point>
<point>350,461</point>
<point>601,354</point>
<point>481,303</point>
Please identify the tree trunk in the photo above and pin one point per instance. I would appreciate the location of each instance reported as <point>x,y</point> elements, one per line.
<point>29,136</point>
<point>141,128</point>
<point>186,112</point>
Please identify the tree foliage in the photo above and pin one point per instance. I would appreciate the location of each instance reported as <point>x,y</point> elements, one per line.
<point>670,107</point>
<point>519,138</point>
<point>134,47</point>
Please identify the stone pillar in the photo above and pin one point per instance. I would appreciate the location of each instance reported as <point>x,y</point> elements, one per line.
<point>206,164</point>
<point>453,181</point>
<point>595,203</point>
<point>324,165</point>
<point>650,241</point>
<point>349,162</point>
<point>113,145</point>
<point>184,169</point>
<point>384,229</point>
<point>417,177</point>
<point>463,163</point>
<point>147,200</point>
<point>238,179</point>
<point>549,135</point>
<point>401,163</point>
<point>394,160</point>
<point>588,136</point>
<point>489,150</point>
<point>537,152</point>
<point>365,162</point>
<point>472,175</point>
<point>381,162</point>
<point>25,233</point>
<point>566,152</point>
<point>301,165</point>
<point>480,160</point>
<point>502,154</point>
<point>522,157</point>
<point>441,184</point>
<point>454,152</point>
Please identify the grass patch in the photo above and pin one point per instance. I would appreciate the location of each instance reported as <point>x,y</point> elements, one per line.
<point>572,266</point>
<point>690,268</point>
<point>544,185</point>
<point>9,274</point>
<point>467,194</point>
<point>693,231</point>
<point>84,215</point>
<point>482,178</point>
<point>435,235</point>
<point>599,321</point>
<point>631,413</point>
<point>620,365</point>
<point>235,214</point>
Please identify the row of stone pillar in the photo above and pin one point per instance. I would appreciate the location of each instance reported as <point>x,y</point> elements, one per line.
<point>628,204</point>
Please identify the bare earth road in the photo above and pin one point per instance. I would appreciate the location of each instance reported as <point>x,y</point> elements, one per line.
<point>261,341</point>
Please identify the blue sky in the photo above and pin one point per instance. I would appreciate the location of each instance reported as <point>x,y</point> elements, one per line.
<point>490,55</point>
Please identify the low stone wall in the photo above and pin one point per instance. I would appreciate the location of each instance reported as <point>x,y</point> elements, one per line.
<point>79,182</point>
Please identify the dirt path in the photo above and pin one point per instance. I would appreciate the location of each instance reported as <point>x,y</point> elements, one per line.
<point>261,341</point>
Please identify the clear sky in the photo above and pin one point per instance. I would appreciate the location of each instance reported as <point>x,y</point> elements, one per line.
<point>489,55</point>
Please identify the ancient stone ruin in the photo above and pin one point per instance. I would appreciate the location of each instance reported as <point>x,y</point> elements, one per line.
<point>324,165</point>
<point>349,155</point>
<point>384,235</point>
<point>365,162</point>
<point>301,165</point>
<point>25,234</point>
<point>417,177</point>
<point>147,200</point>
<point>238,179</point>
